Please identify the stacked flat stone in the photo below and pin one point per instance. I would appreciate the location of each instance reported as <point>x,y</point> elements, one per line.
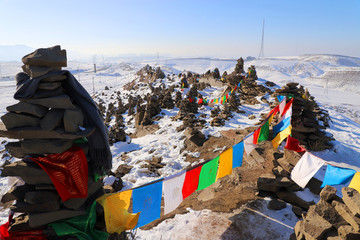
<point>308,121</point>
<point>47,123</point>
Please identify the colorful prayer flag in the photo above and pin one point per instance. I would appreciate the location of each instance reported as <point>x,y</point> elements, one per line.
<point>238,152</point>
<point>294,144</point>
<point>212,100</point>
<point>200,100</point>
<point>147,201</point>
<point>82,227</point>
<point>355,182</point>
<point>191,181</point>
<point>336,175</point>
<point>262,133</point>
<point>281,136</point>
<point>287,112</point>
<point>208,173</point>
<point>272,113</point>
<point>173,192</point>
<point>306,168</point>
<point>216,100</point>
<point>225,163</point>
<point>281,126</point>
<point>249,144</point>
<point>224,99</point>
<point>116,215</point>
<point>282,105</point>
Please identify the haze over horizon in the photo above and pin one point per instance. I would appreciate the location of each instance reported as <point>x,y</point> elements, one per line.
<point>224,29</point>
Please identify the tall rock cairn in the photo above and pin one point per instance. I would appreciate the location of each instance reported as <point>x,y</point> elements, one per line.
<point>56,131</point>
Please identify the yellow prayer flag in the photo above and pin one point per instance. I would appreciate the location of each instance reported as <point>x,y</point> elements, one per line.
<point>216,100</point>
<point>281,136</point>
<point>117,217</point>
<point>225,163</point>
<point>355,182</point>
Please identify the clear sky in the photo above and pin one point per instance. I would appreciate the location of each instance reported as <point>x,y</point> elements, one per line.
<point>192,28</point>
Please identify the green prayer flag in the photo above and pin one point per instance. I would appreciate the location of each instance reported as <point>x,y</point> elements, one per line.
<point>208,173</point>
<point>264,132</point>
<point>82,227</point>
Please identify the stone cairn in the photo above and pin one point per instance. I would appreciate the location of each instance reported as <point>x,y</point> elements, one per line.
<point>308,120</point>
<point>47,123</point>
<point>331,218</point>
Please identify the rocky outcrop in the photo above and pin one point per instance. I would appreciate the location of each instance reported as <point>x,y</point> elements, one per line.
<point>331,217</point>
<point>149,74</point>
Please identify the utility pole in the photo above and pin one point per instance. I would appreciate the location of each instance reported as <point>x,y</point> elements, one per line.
<point>261,54</point>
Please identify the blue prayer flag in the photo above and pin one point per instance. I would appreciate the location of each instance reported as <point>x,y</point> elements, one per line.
<point>335,175</point>
<point>281,126</point>
<point>238,151</point>
<point>147,200</point>
<point>280,97</point>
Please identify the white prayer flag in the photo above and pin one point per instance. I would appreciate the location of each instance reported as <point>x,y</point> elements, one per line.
<point>173,192</point>
<point>249,144</point>
<point>306,168</point>
<point>282,106</point>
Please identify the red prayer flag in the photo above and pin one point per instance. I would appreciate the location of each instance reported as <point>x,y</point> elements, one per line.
<point>201,100</point>
<point>212,100</point>
<point>20,235</point>
<point>235,87</point>
<point>191,181</point>
<point>294,144</point>
<point>68,172</point>
<point>190,99</point>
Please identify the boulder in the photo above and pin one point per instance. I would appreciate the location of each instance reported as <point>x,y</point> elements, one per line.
<point>53,78</point>
<point>276,204</point>
<point>50,57</point>
<point>52,119</point>
<point>351,198</point>
<point>347,232</point>
<point>29,171</point>
<point>22,107</point>
<point>47,93</point>
<point>328,193</point>
<point>267,182</point>
<point>14,120</point>
<point>49,206</point>
<point>36,197</point>
<point>41,219</point>
<point>61,101</point>
<point>292,198</point>
<point>37,146</point>
<point>17,193</point>
<point>37,71</point>
<point>347,215</point>
<point>49,85</point>
<point>315,226</point>
<point>73,120</point>
<point>328,212</point>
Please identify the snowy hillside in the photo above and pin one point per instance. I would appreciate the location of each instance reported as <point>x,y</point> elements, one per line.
<point>331,79</point>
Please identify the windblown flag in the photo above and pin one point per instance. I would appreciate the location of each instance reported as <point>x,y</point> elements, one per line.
<point>355,182</point>
<point>216,100</point>
<point>249,144</point>
<point>200,100</point>
<point>238,152</point>
<point>224,99</point>
<point>272,113</point>
<point>82,227</point>
<point>306,168</point>
<point>173,192</point>
<point>283,128</point>
<point>225,163</point>
<point>191,181</point>
<point>116,215</point>
<point>294,145</point>
<point>262,133</point>
<point>282,105</point>
<point>336,176</point>
<point>147,201</point>
<point>208,173</point>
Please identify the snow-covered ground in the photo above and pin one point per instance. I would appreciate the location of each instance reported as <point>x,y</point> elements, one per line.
<point>331,79</point>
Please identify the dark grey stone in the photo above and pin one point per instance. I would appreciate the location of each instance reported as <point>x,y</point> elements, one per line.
<point>21,206</point>
<point>47,93</point>
<point>51,57</point>
<point>38,146</point>
<point>55,78</point>
<point>41,219</point>
<point>36,197</point>
<point>23,107</point>
<point>52,119</point>
<point>62,101</point>
<point>73,119</point>
<point>17,193</point>
<point>29,171</point>
<point>276,204</point>
<point>14,120</point>
<point>37,71</point>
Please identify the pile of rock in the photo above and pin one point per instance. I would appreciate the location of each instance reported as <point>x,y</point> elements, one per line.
<point>308,120</point>
<point>50,125</point>
<point>239,68</point>
<point>149,74</point>
<point>331,218</point>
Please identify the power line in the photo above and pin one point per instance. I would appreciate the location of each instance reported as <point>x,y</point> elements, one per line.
<point>261,54</point>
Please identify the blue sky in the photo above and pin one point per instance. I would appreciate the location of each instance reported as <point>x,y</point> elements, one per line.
<point>192,28</point>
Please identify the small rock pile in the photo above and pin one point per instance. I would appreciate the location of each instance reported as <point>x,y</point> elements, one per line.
<point>331,218</point>
<point>149,74</point>
<point>308,120</point>
<point>54,129</point>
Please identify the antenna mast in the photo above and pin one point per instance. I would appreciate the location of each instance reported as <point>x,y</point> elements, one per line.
<point>261,54</point>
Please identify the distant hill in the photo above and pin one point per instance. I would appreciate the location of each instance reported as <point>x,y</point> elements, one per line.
<point>14,52</point>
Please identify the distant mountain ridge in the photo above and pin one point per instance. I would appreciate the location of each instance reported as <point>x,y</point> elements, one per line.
<point>14,52</point>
